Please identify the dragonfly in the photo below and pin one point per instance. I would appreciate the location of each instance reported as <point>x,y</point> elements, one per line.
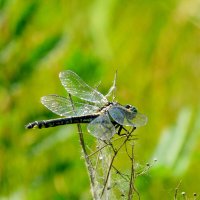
<point>104,118</point>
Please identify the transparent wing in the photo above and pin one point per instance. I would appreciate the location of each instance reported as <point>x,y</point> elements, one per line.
<point>140,120</point>
<point>101,127</point>
<point>63,107</point>
<point>123,117</point>
<point>113,88</point>
<point>77,87</point>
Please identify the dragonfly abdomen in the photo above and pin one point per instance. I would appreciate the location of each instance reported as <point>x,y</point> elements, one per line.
<point>61,121</point>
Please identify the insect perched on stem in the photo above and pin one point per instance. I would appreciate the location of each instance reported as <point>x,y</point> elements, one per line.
<point>104,118</point>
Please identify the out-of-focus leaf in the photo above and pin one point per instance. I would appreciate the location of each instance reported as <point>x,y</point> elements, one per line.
<point>2,3</point>
<point>25,18</point>
<point>35,57</point>
<point>83,63</point>
<point>176,144</point>
<point>51,140</point>
<point>185,156</point>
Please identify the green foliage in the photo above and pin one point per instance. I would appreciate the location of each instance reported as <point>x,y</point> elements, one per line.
<point>24,19</point>
<point>153,45</point>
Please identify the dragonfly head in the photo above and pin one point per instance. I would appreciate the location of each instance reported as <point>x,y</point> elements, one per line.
<point>132,111</point>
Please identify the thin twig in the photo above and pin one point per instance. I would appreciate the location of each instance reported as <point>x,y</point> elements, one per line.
<point>176,190</point>
<point>130,193</point>
<point>124,176</point>
<point>87,159</point>
<point>111,163</point>
<point>131,186</point>
<point>99,149</point>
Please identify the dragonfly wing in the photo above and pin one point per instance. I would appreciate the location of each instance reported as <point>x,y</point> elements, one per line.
<point>77,87</point>
<point>63,107</point>
<point>113,88</point>
<point>121,116</point>
<point>140,120</point>
<point>101,127</point>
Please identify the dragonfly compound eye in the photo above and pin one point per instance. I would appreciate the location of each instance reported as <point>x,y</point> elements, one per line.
<point>131,112</point>
<point>131,108</point>
<point>128,106</point>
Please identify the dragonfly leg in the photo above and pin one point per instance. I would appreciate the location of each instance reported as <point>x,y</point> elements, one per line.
<point>122,128</point>
<point>133,128</point>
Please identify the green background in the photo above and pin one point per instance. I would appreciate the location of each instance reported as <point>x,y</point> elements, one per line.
<point>154,45</point>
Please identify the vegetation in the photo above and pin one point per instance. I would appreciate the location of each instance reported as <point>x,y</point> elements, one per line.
<point>155,47</point>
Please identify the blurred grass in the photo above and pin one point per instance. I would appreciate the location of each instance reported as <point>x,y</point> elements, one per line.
<point>155,47</point>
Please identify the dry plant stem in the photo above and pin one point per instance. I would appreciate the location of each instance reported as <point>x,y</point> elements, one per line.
<point>105,146</point>
<point>87,160</point>
<point>130,193</point>
<point>131,186</point>
<point>97,162</point>
<point>111,163</point>
<point>176,190</point>
<point>122,175</point>
<point>108,174</point>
